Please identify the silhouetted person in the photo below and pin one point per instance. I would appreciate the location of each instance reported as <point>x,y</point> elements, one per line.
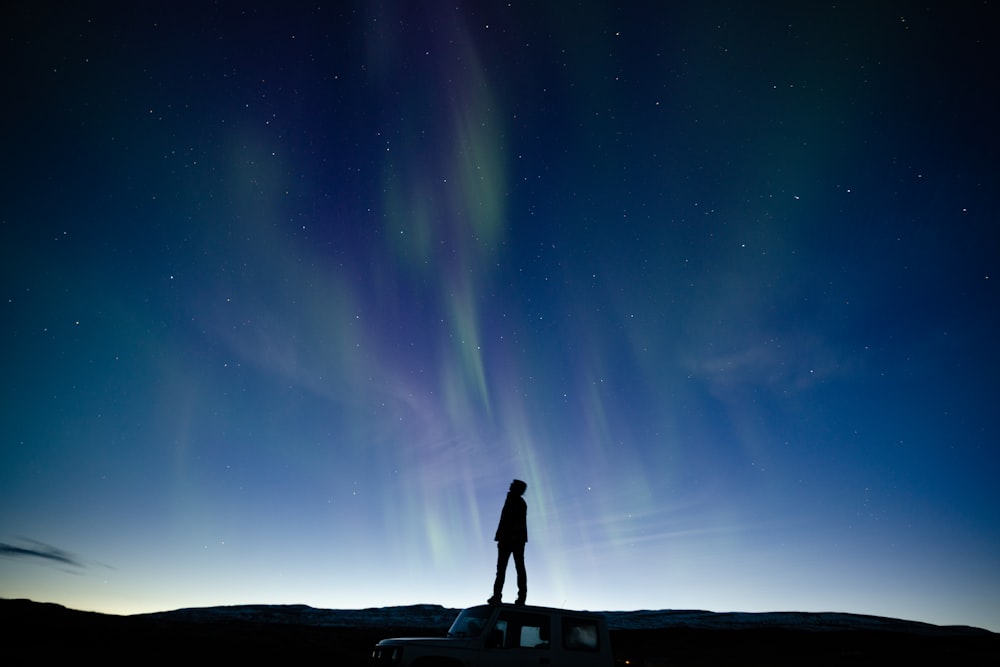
<point>512,535</point>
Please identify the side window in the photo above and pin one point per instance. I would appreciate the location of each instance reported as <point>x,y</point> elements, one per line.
<point>580,635</point>
<point>524,630</point>
<point>498,636</point>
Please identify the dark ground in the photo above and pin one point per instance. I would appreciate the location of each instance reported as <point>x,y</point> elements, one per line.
<point>35,633</point>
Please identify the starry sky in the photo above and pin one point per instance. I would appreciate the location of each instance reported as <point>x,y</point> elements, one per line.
<point>292,291</point>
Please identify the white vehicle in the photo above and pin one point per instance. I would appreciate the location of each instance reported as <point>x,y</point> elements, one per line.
<point>506,635</point>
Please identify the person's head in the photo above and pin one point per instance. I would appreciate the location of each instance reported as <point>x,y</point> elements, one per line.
<point>518,487</point>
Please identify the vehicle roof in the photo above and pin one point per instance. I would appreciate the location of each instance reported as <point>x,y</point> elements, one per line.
<point>535,608</point>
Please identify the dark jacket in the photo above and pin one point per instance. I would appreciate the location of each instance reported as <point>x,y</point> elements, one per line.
<point>513,520</point>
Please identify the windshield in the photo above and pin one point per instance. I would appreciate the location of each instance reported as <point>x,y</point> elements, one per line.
<point>470,622</point>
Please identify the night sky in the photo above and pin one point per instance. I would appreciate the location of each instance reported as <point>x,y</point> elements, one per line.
<point>291,294</point>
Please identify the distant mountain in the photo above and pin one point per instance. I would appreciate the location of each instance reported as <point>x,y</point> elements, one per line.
<point>438,617</point>
<point>412,616</point>
<point>784,620</point>
<point>37,633</point>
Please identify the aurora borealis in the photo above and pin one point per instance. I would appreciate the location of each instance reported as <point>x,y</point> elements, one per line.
<point>292,292</point>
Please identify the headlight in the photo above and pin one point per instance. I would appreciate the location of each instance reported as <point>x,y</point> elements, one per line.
<point>387,655</point>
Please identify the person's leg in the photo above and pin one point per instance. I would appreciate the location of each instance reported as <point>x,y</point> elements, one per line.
<point>503,556</point>
<point>522,574</point>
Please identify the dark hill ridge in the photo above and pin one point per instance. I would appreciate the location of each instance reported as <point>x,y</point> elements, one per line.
<point>786,620</point>
<point>344,637</point>
<point>438,617</point>
<point>417,616</point>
